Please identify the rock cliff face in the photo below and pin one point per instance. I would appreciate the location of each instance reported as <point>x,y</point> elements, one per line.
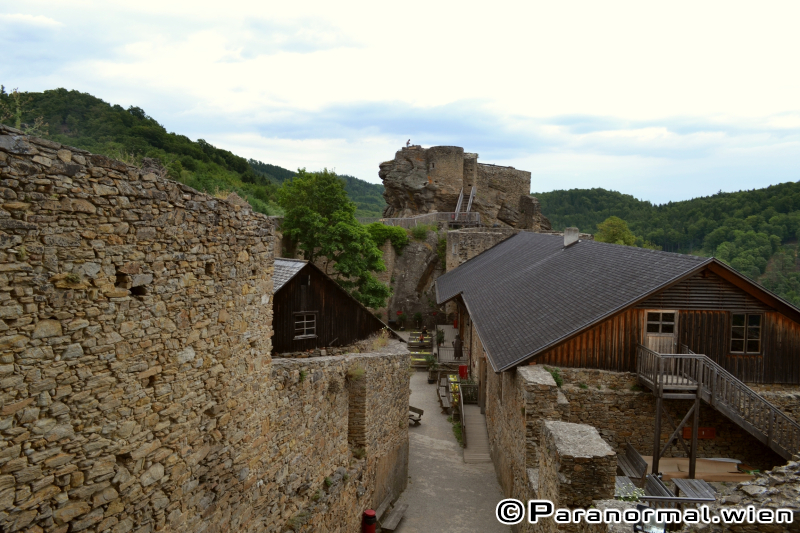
<point>420,180</point>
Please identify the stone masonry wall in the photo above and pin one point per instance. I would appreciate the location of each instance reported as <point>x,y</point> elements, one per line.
<point>317,480</point>
<point>137,392</point>
<point>517,404</point>
<point>622,412</point>
<point>576,466</point>
<point>136,344</point>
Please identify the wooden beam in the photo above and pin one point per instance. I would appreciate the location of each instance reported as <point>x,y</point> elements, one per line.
<point>695,428</point>
<point>657,436</point>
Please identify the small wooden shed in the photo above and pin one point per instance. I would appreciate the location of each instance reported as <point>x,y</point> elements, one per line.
<point>310,310</point>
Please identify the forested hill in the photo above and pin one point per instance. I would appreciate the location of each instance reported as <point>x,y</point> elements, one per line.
<point>84,121</point>
<point>754,231</point>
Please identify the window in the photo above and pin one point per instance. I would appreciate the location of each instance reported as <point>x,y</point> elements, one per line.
<point>661,322</point>
<point>745,333</point>
<point>305,325</point>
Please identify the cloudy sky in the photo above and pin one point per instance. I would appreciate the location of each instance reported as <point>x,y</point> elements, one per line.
<point>662,100</point>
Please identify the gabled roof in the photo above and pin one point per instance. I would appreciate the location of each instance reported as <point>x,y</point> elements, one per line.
<point>529,292</point>
<point>285,269</point>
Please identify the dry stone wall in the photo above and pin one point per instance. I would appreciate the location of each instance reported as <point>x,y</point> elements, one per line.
<point>623,412</point>
<point>137,391</point>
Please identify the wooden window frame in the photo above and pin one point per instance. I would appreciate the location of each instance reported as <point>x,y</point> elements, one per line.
<point>746,339</point>
<point>661,322</point>
<point>305,321</point>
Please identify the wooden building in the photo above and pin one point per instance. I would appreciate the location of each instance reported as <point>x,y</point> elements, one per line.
<point>588,304</point>
<point>691,328</point>
<point>310,310</point>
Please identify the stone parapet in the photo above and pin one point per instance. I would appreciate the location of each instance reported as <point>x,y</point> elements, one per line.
<point>576,465</point>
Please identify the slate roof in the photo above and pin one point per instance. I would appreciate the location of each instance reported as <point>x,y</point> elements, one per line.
<point>285,269</point>
<point>529,292</point>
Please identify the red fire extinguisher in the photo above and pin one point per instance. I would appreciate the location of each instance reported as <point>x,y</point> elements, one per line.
<point>368,521</point>
<point>455,323</point>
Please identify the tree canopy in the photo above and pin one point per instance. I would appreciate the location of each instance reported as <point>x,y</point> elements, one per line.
<point>754,231</point>
<point>320,218</point>
<point>84,121</point>
<point>615,230</point>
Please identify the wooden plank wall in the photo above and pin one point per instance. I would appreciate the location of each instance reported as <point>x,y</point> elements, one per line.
<point>610,345</point>
<point>704,291</point>
<point>781,350</point>
<point>338,315</point>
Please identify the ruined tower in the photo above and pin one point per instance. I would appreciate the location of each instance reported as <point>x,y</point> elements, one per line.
<point>426,180</point>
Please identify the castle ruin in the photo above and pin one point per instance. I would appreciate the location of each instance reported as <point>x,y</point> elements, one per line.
<point>428,180</point>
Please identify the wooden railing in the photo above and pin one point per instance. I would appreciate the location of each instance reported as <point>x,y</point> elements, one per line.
<point>721,389</point>
<point>446,354</point>
<point>469,219</point>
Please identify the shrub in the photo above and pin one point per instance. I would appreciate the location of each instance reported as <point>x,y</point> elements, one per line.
<point>356,373</point>
<point>303,375</point>
<point>380,340</point>
<point>380,233</point>
<point>359,453</point>
<point>583,385</point>
<point>420,233</point>
<point>556,376</point>
<point>72,278</point>
<point>457,431</point>
<point>328,482</point>
<point>441,250</point>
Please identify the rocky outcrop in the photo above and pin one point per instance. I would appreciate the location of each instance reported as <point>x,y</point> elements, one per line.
<point>427,180</point>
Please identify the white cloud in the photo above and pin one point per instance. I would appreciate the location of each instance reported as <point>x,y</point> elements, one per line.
<point>620,93</point>
<point>29,20</point>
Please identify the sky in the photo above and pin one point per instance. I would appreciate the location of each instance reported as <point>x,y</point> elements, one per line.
<point>662,100</point>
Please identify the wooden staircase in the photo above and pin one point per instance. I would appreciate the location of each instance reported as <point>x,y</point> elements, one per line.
<point>679,376</point>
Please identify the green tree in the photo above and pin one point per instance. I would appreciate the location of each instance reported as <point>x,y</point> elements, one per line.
<point>615,230</point>
<point>321,219</point>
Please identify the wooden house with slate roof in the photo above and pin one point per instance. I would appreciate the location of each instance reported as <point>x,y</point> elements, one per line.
<point>310,310</point>
<point>690,327</point>
<point>538,297</point>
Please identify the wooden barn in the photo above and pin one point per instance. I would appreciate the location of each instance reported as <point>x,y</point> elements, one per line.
<point>310,310</point>
<point>590,304</point>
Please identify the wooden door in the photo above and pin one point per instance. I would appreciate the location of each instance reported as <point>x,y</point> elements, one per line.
<point>661,330</point>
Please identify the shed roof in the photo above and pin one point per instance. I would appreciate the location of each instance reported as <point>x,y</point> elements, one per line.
<point>285,269</point>
<point>529,292</point>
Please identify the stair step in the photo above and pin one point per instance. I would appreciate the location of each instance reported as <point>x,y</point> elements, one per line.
<point>390,524</point>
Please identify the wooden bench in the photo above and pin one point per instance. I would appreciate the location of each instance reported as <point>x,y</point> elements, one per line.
<point>694,488</point>
<point>624,487</point>
<point>415,415</point>
<point>632,465</point>
<point>655,491</point>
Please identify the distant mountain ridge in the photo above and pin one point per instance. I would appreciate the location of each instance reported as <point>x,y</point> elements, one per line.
<point>754,231</point>
<point>85,121</point>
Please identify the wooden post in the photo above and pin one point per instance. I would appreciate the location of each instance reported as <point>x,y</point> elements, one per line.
<point>658,389</point>
<point>695,427</point>
<point>657,436</point>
